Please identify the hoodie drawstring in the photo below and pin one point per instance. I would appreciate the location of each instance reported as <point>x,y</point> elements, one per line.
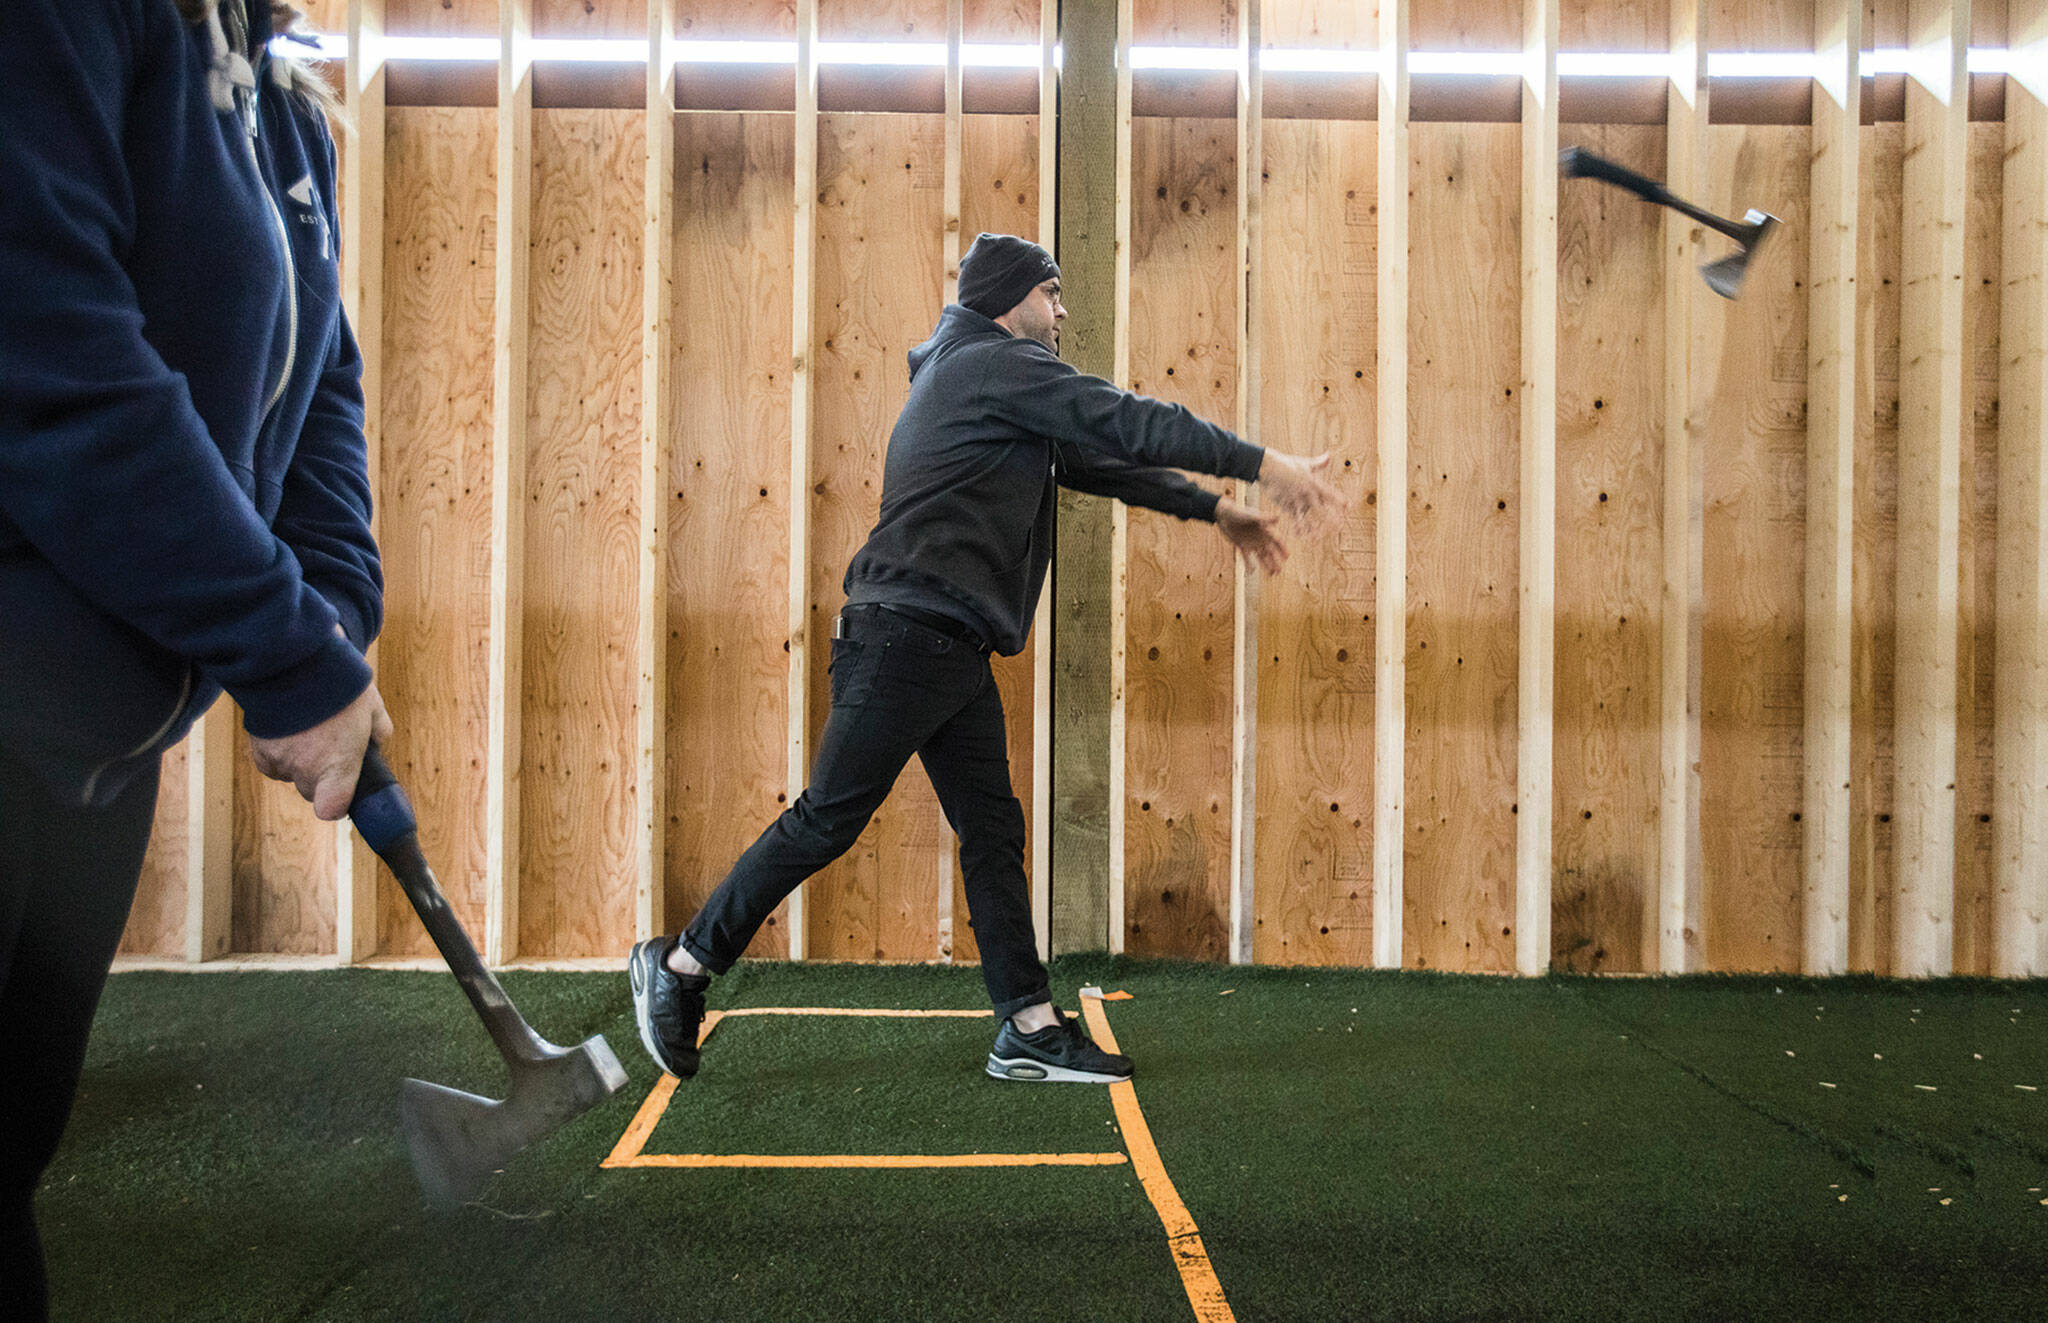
<point>230,68</point>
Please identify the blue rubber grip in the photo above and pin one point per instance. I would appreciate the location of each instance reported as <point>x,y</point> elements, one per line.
<point>381,811</point>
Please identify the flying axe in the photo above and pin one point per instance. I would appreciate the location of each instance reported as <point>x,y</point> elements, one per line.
<point>458,1139</point>
<point>1724,274</point>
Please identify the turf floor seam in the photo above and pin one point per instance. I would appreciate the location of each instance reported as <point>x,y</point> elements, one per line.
<point>362,1262</point>
<point>1946,1155</point>
<point>1841,1149</point>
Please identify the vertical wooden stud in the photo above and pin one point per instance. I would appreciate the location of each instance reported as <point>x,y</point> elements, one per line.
<point>1041,624</point>
<point>2019,917</point>
<point>1538,625</point>
<point>1390,637</point>
<point>508,479</point>
<point>362,287</point>
<point>1830,481</point>
<point>210,834</point>
<point>657,289</point>
<point>950,202</point>
<point>1119,528</point>
<point>1083,844</point>
<point>1678,862</point>
<point>1244,734</point>
<point>955,22</point>
<point>1931,388</point>
<point>802,282</point>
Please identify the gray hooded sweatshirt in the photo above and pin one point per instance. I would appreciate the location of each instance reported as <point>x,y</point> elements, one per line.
<point>994,424</point>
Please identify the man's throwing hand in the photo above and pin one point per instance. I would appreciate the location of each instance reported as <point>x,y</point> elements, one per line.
<point>1253,532</point>
<point>1296,486</point>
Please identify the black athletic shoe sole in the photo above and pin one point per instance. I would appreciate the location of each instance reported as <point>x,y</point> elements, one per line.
<point>1030,1070</point>
<point>643,967</point>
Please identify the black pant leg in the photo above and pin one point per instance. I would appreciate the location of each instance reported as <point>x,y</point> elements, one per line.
<point>67,879</point>
<point>893,683</point>
<point>968,760</point>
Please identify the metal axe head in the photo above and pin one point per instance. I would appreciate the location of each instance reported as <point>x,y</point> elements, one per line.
<point>1724,274</point>
<point>459,1139</point>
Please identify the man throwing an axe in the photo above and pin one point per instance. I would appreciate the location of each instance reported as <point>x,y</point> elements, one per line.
<point>952,572</point>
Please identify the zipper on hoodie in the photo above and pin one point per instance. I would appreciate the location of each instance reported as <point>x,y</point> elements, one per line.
<point>284,241</point>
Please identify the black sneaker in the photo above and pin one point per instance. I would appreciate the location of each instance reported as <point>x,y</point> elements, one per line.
<point>1058,1053</point>
<point>668,1006</point>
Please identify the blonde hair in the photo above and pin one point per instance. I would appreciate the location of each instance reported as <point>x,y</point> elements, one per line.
<point>290,73</point>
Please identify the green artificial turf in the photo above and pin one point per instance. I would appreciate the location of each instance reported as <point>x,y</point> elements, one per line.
<point>1351,1144</point>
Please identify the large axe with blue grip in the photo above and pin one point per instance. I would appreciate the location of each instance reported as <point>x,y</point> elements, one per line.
<point>459,1139</point>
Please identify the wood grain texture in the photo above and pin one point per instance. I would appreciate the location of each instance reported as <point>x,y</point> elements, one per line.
<point>1678,810</point>
<point>1614,25</point>
<point>1759,25</point>
<point>1012,22</point>
<point>1609,530</point>
<point>156,921</point>
<point>1463,522</point>
<point>325,15</point>
<point>1465,25</point>
<point>1536,604</point>
<point>435,492</point>
<point>577,872</point>
<point>1977,526</point>
<point>999,194</point>
<point>1092,99</point>
<point>883,20</point>
<point>2020,908</point>
<point>731,20</point>
<point>1875,606</point>
<point>1320,25</point>
<point>1753,657</point>
<point>1178,677</point>
<point>283,865</point>
<point>1931,414</point>
<point>879,273</point>
<point>589,19</point>
<point>728,704</point>
<point>1392,357</point>
<point>1830,486</point>
<point>1184,22</point>
<point>1313,902</point>
<point>441,18</point>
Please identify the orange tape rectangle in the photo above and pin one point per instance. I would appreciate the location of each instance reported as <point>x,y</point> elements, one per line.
<point>871,1160</point>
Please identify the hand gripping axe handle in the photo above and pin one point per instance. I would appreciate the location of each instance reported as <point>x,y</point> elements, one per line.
<point>458,1139</point>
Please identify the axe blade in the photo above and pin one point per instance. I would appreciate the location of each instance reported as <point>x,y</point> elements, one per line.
<point>1724,275</point>
<point>459,1140</point>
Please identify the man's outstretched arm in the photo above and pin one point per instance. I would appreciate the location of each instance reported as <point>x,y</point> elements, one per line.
<point>1113,441</point>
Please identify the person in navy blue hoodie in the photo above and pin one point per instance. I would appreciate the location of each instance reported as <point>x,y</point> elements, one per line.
<point>184,497</point>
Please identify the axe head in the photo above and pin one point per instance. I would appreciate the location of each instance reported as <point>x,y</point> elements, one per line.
<point>459,1139</point>
<point>1724,274</point>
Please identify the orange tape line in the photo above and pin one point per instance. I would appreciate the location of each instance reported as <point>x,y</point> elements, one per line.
<point>855,1010</point>
<point>1190,1256</point>
<point>626,1152</point>
<point>873,1160</point>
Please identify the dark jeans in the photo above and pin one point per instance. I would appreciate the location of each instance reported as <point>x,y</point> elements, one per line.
<point>67,878</point>
<point>898,687</point>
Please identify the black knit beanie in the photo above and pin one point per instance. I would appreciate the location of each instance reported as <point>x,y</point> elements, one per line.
<point>999,270</point>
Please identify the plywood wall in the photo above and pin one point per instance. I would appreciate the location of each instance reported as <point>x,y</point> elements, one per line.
<point>1179,587</point>
<point>730,511</point>
<point>1313,899</point>
<point>728,560</point>
<point>1609,529</point>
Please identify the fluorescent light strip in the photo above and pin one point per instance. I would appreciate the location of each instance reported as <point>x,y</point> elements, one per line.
<point>1221,59</point>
